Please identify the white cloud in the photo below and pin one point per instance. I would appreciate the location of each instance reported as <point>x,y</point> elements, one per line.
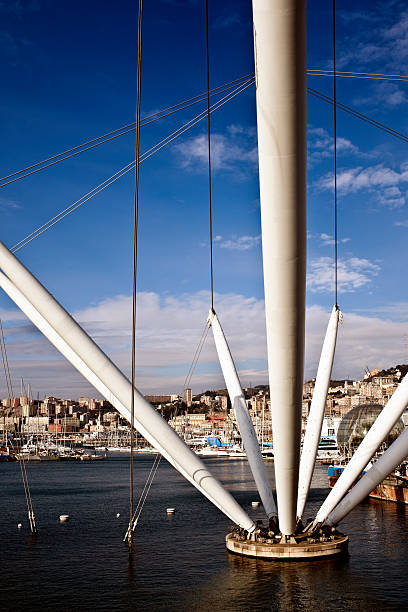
<point>380,45</point>
<point>169,329</point>
<point>235,243</point>
<point>321,145</point>
<point>242,243</point>
<point>328,240</point>
<point>384,182</point>
<point>362,340</point>
<point>383,93</point>
<point>379,42</point>
<point>353,273</point>
<point>246,130</point>
<point>237,150</point>
<point>6,204</point>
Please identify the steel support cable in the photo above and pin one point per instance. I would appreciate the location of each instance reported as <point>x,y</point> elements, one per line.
<point>196,355</point>
<point>199,98</point>
<point>209,152</point>
<point>24,476</point>
<point>162,114</point>
<point>175,135</point>
<point>5,373</point>
<point>157,147</point>
<point>207,326</point>
<point>29,503</point>
<point>126,129</point>
<point>125,169</point>
<point>359,75</point>
<point>144,494</point>
<point>335,154</point>
<point>5,370</point>
<point>135,254</point>
<point>358,115</point>
<point>5,361</point>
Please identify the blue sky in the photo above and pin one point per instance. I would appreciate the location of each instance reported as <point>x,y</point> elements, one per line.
<point>69,74</point>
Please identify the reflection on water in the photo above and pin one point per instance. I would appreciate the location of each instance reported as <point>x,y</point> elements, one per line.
<point>180,562</point>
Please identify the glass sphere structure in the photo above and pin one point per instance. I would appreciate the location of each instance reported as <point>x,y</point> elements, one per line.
<point>355,425</point>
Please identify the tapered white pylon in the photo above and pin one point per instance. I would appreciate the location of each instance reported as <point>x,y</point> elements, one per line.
<point>365,452</point>
<point>243,418</point>
<point>316,414</point>
<point>280,68</point>
<point>41,307</point>
<point>393,456</point>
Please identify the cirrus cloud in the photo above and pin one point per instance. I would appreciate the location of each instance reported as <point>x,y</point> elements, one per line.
<point>353,274</point>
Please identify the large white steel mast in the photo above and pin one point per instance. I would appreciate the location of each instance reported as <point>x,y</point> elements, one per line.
<point>280,65</point>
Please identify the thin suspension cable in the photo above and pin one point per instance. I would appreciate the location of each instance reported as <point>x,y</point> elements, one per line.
<point>5,368</point>
<point>135,245</point>
<point>358,115</point>
<point>314,92</point>
<point>3,340</point>
<point>23,470</point>
<point>157,147</point>
<point>209,152</point>
<point>163,113</point>
<point>335,152</point>
<point>175,135</point>
<point>359,75</point>
<point>198,97</point>
<point>126,129</point>
<point>73,206</point>
<point>144,494</point>
<point>196,356</point>
<point>126,169</point>
<point>142,501</point>
<point>5,371</point>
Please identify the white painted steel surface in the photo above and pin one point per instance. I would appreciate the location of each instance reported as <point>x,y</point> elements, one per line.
<point>244,421</point>
<point>147,419</point>
<point>280,66</point>
<point>315,418</point>
<point>373,439</point>
<point>393,456</point>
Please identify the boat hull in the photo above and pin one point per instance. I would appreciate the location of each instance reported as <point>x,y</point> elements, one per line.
<point>391,489</point>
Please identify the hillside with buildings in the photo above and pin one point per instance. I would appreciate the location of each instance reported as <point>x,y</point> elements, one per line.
<point>208,413</point>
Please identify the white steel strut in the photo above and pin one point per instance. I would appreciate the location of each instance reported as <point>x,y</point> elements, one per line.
<point>280,67</point>
<point>392,457</point>
<point>364,453</point>
<point>65,333</point>
<point>244,421</point>
<point>315,418</point>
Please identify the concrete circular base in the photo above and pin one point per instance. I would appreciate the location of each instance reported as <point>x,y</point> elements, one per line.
<point>302,550</point>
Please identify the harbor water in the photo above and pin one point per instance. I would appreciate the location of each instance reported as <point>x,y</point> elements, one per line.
<point>180,562</point>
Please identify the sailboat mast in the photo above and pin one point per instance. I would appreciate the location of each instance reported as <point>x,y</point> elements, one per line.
<point>280,65</point>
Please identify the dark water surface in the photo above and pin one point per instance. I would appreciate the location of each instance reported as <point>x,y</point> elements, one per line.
<point>180,562</point>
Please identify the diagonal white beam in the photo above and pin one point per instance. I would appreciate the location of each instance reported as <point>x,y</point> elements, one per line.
<point>393,456</point>
<point>243,417</point>
<point>280,67</point>
<point>315,419</point>
<point>365,452</point>
<point>46,313</point>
